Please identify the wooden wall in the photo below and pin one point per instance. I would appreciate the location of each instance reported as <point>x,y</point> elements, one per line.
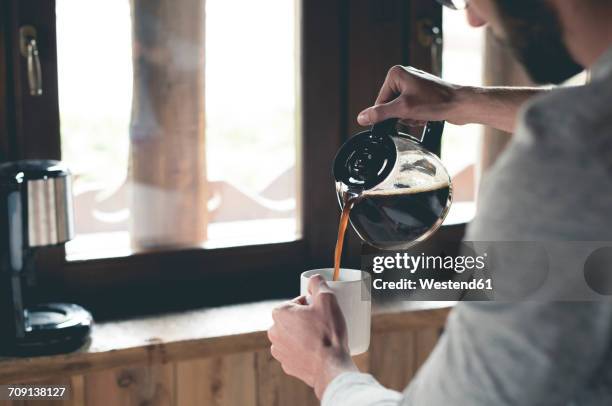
<point>241,379</point>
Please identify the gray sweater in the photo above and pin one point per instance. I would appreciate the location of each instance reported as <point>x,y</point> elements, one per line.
<point>553,183</point>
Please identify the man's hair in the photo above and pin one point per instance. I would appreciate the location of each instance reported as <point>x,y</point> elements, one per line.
<point>534,33</point>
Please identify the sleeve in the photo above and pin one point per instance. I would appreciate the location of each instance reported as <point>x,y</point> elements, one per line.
<point>514,354</point>
<point>355,389</point>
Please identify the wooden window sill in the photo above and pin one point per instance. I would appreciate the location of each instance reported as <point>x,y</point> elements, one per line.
<point>193,334</point>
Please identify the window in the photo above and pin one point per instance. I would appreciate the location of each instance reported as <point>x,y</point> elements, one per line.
<point>130,154</point>
<point>201,135</point>
<point>463,61</point>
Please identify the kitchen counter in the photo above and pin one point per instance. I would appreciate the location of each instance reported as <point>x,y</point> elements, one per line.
<point>194,334</point>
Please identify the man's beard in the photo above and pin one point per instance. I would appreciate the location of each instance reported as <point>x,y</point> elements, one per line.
<point>533,32</point>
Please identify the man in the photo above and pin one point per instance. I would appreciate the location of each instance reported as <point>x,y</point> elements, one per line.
<point>553,183</point>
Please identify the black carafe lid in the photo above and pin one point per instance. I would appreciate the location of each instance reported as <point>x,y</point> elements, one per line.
<point>368,158</point>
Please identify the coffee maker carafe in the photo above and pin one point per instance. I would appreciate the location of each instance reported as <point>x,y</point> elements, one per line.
<point>35,212</point>
<point>398,190</point>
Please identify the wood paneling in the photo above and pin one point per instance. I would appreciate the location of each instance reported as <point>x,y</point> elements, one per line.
<point>396,356</point>
<point>217,381</point>
<point>392,359</point>
<point>425,341</point>
<point>362,361</point>
<point>250,378</point>
<point>152,385</point>
<point>275,388</point>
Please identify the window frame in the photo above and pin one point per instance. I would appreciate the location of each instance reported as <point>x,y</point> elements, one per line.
<point>334,61</point>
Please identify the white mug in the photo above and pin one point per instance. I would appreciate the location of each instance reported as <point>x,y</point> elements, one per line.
<point>353,293</point>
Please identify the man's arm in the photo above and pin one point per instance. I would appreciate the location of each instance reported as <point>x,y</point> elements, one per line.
<point>414,95</point>
<point>529,353</point>
<point>533,352</point>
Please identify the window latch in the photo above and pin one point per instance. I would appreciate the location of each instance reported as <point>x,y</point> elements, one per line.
<point>29,50</point>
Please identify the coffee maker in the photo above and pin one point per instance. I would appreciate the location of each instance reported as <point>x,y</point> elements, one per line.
<point>35,212</point>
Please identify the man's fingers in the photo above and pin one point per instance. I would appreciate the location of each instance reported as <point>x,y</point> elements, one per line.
<point>277,353</point>
<point>321,292</point>
<point>388,92</point>
<point>300,300</point>
<point>280,339</point>
<point>288,305</point>
<point>273,333</point>
<point>317,284</point>
<point>281,311</point>
<point>390,89</point>
<point>394,109</point>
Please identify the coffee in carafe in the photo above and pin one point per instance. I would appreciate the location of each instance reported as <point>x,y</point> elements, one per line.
<point>395,192</point>
<point>397,218</point>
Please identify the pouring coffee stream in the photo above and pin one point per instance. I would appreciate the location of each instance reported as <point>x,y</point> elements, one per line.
<point>393,190</point>
<point>344,219</point>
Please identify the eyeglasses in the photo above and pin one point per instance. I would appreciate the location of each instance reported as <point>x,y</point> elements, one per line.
<point>454,4</point>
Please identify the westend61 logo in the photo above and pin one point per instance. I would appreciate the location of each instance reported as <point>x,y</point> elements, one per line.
<point>414,263</point>
<point>430,273</point>
<point>504,271</point>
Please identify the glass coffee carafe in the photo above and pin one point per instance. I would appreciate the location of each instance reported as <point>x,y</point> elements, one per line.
<point>399,192</point>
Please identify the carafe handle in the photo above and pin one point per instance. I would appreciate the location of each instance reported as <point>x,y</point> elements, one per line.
<point>387,127</point>
<point>431,139</point>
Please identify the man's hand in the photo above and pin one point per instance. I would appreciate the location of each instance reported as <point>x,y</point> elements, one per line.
<point>310,340</point>
<point>415,97</point>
